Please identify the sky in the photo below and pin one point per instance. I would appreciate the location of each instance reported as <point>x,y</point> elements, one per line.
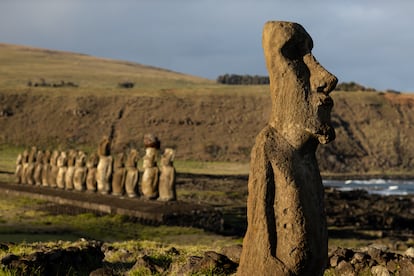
<point>365,41</point>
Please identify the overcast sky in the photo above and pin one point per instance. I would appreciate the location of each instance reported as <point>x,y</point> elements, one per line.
<point>369,42</point>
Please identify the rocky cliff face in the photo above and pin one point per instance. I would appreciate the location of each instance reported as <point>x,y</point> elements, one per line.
<point>374,130</point>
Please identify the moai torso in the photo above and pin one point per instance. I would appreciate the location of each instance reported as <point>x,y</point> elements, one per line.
<point>71,170</point>
<point>37,174</point>
<point>19,169</point>
<point>91,166</point>
<point>53,169</point>
<point>45,168</point>
<point>62,164</point>
<point>80,172</point>
<point>166,186</point>
<point>119,175</point>
<point>131,179</point>
<point>149,181</point>
<point>287,232</point>
<point>104,169</point>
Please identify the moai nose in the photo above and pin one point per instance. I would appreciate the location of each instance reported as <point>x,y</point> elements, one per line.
<point>320,79</point>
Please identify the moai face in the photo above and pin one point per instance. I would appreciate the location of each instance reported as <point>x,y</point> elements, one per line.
<point>299,85</point>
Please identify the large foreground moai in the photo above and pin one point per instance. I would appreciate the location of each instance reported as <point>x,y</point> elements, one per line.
<point>287,232</point>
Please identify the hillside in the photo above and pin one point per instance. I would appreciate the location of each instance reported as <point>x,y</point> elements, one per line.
<point>201,119</point>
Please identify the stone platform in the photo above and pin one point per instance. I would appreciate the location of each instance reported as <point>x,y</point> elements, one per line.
<point>178,213</point>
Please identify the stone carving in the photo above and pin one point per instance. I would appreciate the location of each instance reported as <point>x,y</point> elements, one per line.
<point>91,165</point>
<point>149,182</point>
<point>71,170</point>
<point>31,166</point>
<point>287,232</point>
<point>119,175</point>
<point>62,163</point>
<point>104,169</point>
<point>25,165</point>
<point>131,179</point>
<point>38,167</point>
<point>166,189</point>
<point>80,172</point>
<point>53,169</point>
<point>18,173</point>
<point>45,168</point>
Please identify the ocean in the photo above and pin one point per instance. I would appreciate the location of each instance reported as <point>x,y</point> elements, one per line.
<point>384,187</point>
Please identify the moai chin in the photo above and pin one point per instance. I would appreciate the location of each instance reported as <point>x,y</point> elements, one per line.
<point>166,185</point>
<point>287,232</point>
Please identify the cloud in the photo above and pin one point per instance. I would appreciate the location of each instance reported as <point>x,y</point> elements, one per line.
<point>364,41</point>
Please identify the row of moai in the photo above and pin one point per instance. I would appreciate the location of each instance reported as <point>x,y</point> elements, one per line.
<point>101,172</point>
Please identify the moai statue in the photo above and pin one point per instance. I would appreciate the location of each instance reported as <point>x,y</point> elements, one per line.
<point>46,168</point>
<point>104,169</point>
<point>119,175</point>
<point>25,165</point>
<point>54,169</point>
<point>149,181</point>
<point>31,166</point>
<point>72,154</point>
<point>131,179</point>
<point>62,163</point>
<point>37,174</point>
<point>18,173</point>
<point>91,165</point>
<point>80,172</point>
<point>166,185</point>
<point>287,232</point>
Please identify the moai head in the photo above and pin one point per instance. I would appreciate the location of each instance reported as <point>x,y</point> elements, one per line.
<point>54,157</point>
<point>167,158</point>
<point>151,141</point>
<point>104,148</point>
<point>132,158</point>
<point>46,157</point>
<point>119,160</point>
<point>93,160</point>
<point>39,156</point>
<point>80,159</point>
<point>32,154</point>
<point>299,85</point>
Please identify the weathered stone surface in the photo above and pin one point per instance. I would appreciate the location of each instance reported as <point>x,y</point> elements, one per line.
<point>149,182</point>
<point>37,174</point>
<point>287,233</point>
<point>80,172</point>
<point>91,165</point>
<point>72,154</point>
<point>212,263</point>
<point>62,163</point>
<point>53,169</point>
<point>46,168</point>
<point>131,180</point>
<point>104,169</point>
<point>119,175</point>
<point>166,186</point>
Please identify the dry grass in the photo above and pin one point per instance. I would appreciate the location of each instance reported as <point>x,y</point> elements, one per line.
<point>97,76</point>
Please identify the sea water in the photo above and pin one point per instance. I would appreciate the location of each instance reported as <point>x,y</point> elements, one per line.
<point>374,186</point>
